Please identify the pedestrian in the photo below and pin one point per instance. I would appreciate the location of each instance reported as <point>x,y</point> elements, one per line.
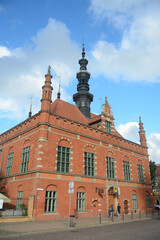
<point>119,210</point>
<point>111,211</point>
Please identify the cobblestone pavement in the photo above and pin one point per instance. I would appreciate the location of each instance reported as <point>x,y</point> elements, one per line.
<point>22,228</point>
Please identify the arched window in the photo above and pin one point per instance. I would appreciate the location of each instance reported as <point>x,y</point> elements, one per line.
<point>81,199</point>
<point>51,199</point>
<point>148,203</point>
<point>134,200</point>
<point>19,197</point>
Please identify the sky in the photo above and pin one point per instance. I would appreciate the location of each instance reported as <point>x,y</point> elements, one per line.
<point>122,46</point>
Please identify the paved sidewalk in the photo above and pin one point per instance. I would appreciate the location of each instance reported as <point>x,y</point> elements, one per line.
<point>22,228</point>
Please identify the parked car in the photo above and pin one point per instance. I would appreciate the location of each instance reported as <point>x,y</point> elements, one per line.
<point>157,207</point>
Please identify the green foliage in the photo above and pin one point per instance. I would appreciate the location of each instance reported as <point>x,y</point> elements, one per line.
<point>23,206</point>
<point>152,166</point>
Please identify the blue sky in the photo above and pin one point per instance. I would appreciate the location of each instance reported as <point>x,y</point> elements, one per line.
<point>122,45</point>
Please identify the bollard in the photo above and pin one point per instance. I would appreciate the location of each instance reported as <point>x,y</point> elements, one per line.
<point>153,213</point>
<point>132,215</point>
<point>146,214</point>
<point>122,216</point>
<point>113,217</point>
<point>158,212</point>
<point>140,215</point>
<point>100,218</point>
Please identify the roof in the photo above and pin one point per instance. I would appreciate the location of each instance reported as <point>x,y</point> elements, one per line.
<point>67,110</point>
<point>72,112</point>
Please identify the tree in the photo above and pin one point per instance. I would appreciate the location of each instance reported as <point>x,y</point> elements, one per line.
<point>152,166</point>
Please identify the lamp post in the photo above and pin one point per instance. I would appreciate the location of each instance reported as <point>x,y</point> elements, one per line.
<point>2,158</point>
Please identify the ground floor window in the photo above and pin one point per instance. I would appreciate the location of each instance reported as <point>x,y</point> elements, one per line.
<point>134,201</point>
<point>19,200</point>
<point>50,201</point>
<point>148,201</point>
<point>81,202</point>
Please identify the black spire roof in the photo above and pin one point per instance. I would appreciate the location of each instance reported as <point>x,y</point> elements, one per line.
<point>83,98</point>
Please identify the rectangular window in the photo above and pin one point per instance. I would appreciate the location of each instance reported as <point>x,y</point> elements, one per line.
<point>89,164</point>
<point>51,201</point>
<point>81,202</point>
<point>110,167</point>
<point>63,161</point>
<point>127,174</point>
<point>140,173</point>
<point>19,200</point>
<point>108,127</point>
<point>148,201</point>
<point>134,201</point>
<point>9,164</point>
<point>25,158</point>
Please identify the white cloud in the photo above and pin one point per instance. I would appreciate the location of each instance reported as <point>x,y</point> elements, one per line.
<point>154,147</point>
<point>4,52</point>
<point>137,56</point>
<point>130,131</point>
<point>25,67</point>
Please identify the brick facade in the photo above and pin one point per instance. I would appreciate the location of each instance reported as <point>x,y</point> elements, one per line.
<point>62,124</point>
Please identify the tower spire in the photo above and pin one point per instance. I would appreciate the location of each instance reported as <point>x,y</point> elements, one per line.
<point>30,111</point>
<point>142,135</point>
<point>59,92</point>
<point>83,98</point>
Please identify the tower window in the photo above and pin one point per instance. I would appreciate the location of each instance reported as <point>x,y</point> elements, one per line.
<point>108,127</point>
<point>83,103</point>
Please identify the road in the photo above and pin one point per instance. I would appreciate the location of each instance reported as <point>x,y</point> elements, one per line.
<point>146,229</point>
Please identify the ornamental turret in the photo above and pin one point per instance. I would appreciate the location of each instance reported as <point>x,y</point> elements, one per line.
<point>83,98</point>
<point>142,135</point>
<point>47,93</point>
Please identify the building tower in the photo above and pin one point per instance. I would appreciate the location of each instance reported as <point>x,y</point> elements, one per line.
<point>142,135</point>
<point>47,93</point>
<point>83,98</point>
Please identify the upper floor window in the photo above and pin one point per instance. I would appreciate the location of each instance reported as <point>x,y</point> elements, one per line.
<point>110,167</point>
<point>89,164</point>
<point>108,127</point>
<point>9,164</point>
<point>127,174</point>
<point>140,173</point>
<point>63,161</point>
<point>25,158</point>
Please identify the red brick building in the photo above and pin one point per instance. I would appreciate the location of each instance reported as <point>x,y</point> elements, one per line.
<point>64,143</point>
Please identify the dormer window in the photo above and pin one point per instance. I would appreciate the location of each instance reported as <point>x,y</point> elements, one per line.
<point>108,127</point>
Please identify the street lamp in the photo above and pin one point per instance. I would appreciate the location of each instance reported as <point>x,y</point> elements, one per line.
<point>2,158</point>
